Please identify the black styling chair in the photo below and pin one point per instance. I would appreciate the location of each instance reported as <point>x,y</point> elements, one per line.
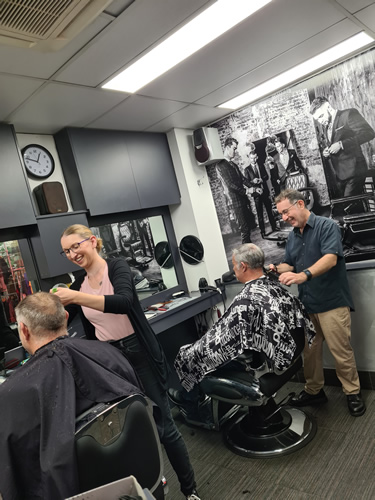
<point>116,440</point>
<point>267,429</point>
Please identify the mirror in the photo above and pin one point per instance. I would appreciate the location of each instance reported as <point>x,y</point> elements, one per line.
<point>191,250</point>
<point>142,243</point>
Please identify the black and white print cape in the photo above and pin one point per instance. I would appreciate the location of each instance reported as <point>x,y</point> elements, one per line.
<point>261,317</point>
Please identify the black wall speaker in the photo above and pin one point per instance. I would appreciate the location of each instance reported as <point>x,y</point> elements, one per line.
<point>50,198</point>
<point>207,146</point>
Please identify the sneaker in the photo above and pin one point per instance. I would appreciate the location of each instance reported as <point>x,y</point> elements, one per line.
<point>193,496</point>
<point>165,485</point>
<point>306,399</point>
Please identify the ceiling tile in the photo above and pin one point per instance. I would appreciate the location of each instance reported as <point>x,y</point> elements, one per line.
<point>137,113</point>
<point>14,90</point>
<point>260,38</point>
<point>131,33</point>
<point>191,117</point>
<point>30,62</point>
<point>56,106</point>
<point>367,16</point>
<point>285,61</point>
<point>116,7</point>
<point>355,5</point>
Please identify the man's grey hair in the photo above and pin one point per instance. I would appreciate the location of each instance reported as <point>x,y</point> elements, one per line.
<point>250,254</point>
<point>317,103</point>
<point>43,314</point>
<point>292,195</point>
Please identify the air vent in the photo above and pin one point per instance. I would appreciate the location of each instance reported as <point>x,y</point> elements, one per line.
<point>46,24</point>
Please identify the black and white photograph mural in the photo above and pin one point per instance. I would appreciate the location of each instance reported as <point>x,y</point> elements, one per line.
<point>138,242</point>
<point>317,137</point>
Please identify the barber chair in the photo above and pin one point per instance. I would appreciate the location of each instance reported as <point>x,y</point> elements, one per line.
<point>298,181</point>
<point>356,218</point>
<point>116,440</point>
<point>263,428</point>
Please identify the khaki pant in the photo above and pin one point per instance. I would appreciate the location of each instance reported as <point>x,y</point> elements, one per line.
<point>333,327</point>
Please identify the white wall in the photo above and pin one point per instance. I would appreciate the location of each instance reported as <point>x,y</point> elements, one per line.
<point>196,215</point>
<point>48,142</point>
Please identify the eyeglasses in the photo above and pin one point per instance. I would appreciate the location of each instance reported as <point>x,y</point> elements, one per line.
<point>74,248</point>
<point>286,211</point>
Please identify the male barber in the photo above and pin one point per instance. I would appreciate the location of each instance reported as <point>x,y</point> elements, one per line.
<point>257,176</point>
<point>262,317</point>
<point>233,183</point>
<point>345,131</point>
<point>41,400</point>
<point>314,260</point>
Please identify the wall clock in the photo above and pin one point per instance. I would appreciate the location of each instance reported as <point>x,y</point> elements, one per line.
<point>38,161</point>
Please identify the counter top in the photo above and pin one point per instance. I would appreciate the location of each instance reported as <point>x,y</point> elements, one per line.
<point>184,308</point>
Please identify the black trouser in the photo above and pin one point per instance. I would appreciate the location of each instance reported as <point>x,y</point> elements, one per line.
<point>259,202</point>
<point>171,438</point>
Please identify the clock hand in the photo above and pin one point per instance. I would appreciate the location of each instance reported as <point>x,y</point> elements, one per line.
<point>27,158</point>
<point>38,158</point>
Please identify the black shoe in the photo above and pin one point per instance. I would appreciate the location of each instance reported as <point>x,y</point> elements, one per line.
<point>306,399</point>
<point>356,405</point>
<point>176,397</point>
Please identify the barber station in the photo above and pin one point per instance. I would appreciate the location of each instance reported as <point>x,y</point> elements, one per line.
<point>187,249</point>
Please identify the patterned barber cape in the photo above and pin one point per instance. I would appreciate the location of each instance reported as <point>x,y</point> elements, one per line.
<point>261,317</point>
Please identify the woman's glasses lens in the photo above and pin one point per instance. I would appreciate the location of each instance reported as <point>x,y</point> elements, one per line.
<point>73,248</point>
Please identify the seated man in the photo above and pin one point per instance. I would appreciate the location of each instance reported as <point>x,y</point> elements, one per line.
<point>41,400</point>
<point>261,318</point>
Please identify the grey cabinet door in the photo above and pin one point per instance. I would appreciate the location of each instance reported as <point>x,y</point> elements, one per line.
<point>46,246</point>
<point>153,169</point>
<point>15,200</point>
<point>104,169</point>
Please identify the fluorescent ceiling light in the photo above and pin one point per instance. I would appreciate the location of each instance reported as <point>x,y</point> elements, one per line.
<point>342,49</point>
<point>210,24</point>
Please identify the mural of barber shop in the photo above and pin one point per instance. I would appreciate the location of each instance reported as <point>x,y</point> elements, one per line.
<point>317,137</point>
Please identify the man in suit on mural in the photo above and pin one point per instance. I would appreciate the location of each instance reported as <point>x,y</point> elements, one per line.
<point>233,182</point>
<point>257,178</point>
<point>345,130</point>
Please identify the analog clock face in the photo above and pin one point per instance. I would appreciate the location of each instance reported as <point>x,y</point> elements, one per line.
<point>38,161</point>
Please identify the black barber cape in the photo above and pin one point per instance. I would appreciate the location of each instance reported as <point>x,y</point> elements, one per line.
<point>38,406</point>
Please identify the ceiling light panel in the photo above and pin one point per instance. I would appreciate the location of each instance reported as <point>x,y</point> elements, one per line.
<point>294,74</point>
<point>200,31</point>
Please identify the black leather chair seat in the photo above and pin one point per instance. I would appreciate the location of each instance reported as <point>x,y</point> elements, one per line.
<point>116,440</point>
<point>267,429</point>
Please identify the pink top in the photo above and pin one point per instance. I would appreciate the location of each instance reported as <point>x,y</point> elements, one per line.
<point>108,326</point>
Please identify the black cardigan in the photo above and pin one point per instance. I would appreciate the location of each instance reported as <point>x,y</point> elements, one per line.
<point>124,301</point>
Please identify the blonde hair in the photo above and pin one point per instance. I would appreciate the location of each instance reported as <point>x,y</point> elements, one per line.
<point>83,231</point>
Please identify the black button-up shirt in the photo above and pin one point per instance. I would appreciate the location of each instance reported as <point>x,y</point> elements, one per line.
<point>321,236</point>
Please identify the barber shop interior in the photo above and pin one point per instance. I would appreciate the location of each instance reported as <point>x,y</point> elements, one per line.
<point>187,249</point>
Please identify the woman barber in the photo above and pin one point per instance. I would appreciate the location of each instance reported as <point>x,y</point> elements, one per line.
<point>106,299</point>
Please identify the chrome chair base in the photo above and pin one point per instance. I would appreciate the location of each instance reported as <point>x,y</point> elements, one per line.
<point>289,430</point>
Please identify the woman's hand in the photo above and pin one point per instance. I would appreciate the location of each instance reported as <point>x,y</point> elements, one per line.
<point>66,295</point>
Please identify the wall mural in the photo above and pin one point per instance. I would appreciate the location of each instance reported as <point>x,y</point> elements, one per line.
<point>318,137</point>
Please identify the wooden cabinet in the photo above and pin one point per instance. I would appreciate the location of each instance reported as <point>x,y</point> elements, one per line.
<point>46,245</point>
<point>16,205</point>
<point>112,171</point>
